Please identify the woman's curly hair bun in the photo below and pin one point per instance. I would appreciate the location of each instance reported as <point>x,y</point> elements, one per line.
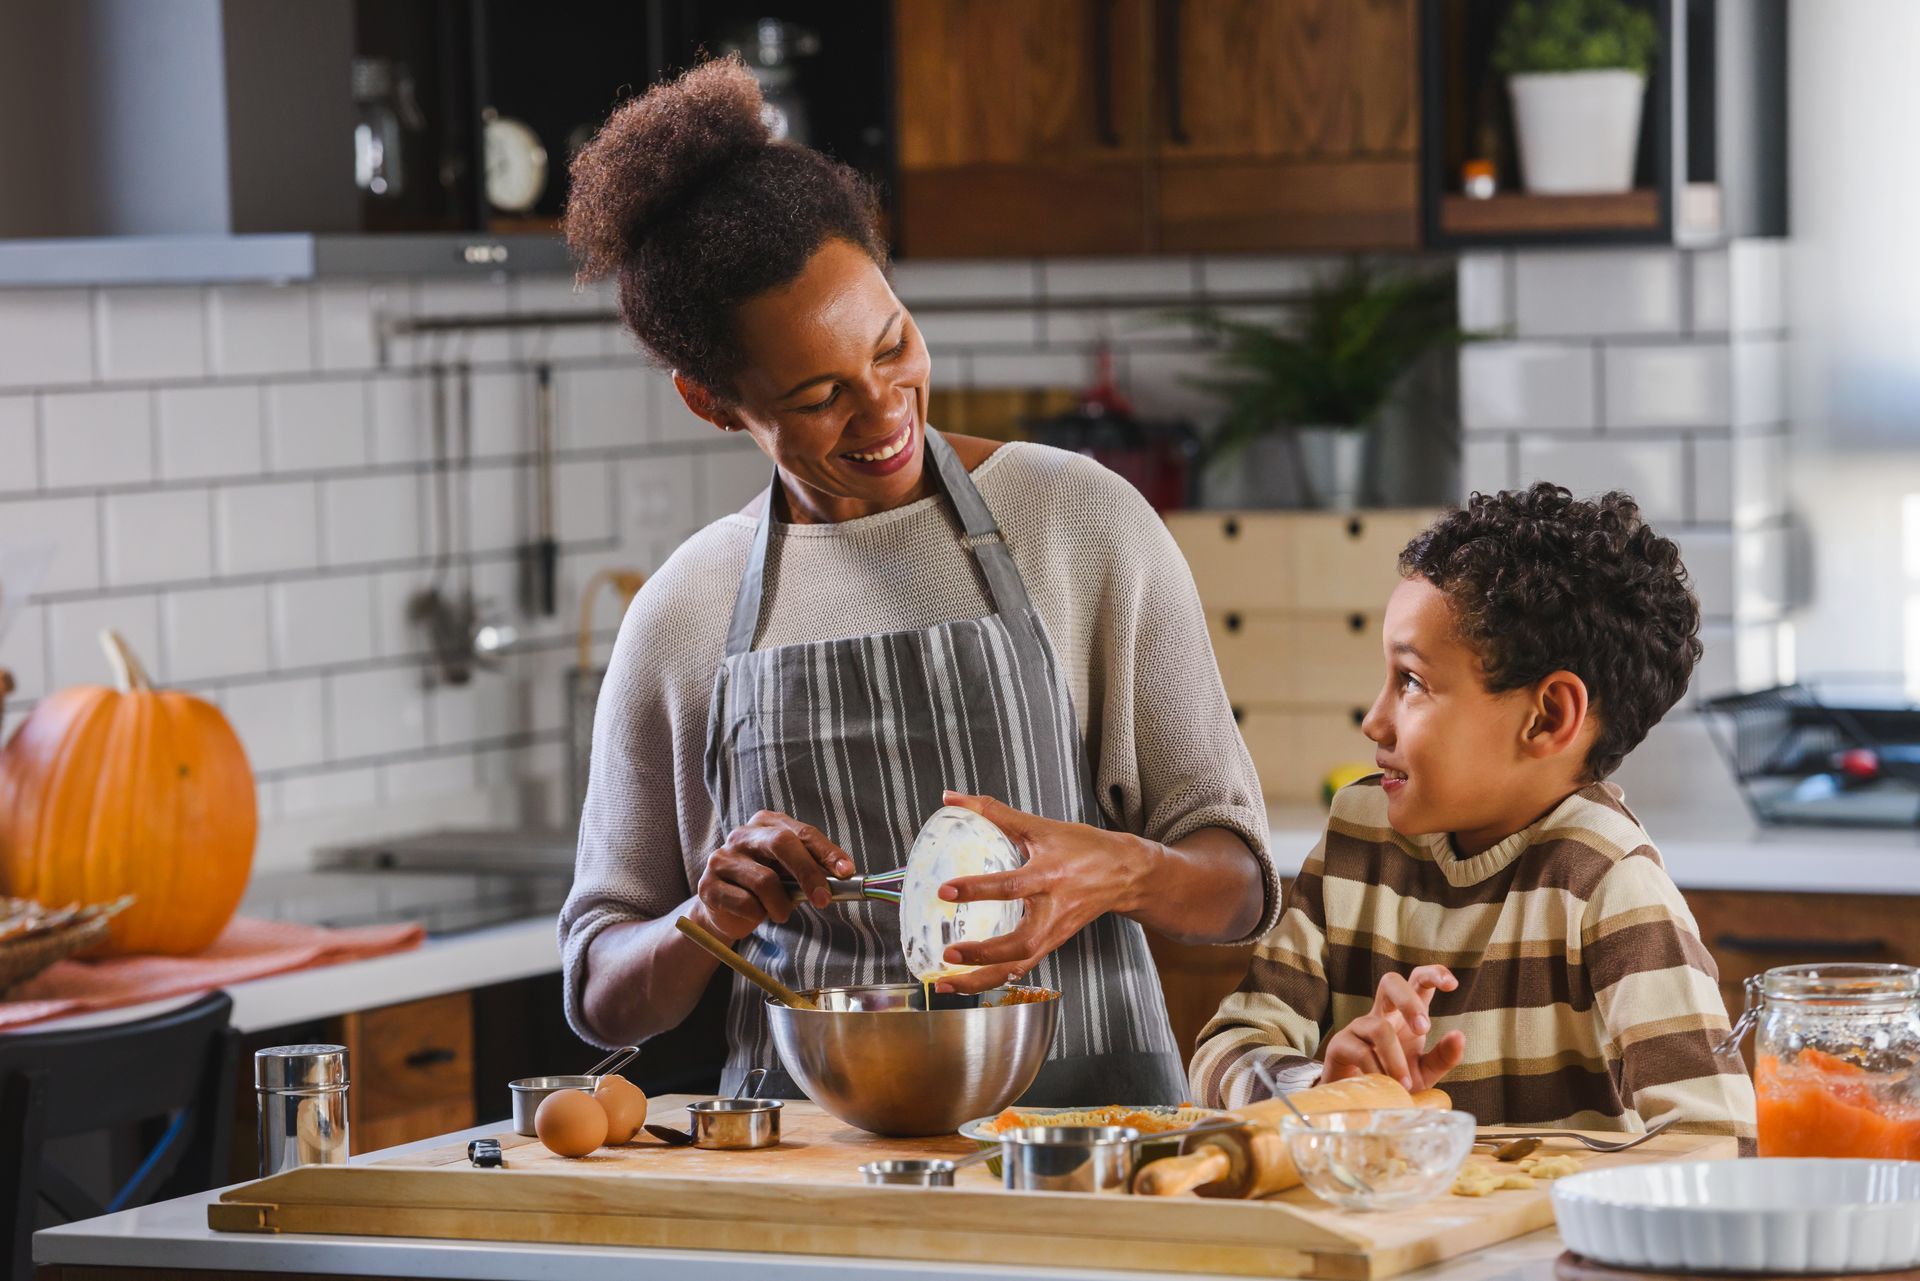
<point>686,199</point>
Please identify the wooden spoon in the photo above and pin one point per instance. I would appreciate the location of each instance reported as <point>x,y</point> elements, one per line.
<point>740,965</point>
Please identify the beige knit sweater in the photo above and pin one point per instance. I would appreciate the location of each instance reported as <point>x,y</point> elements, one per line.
<point>1111,587</point>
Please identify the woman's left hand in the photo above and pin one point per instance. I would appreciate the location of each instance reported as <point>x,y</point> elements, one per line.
<point>1073,874</point>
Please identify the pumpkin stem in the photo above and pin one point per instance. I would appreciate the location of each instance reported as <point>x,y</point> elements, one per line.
<point>128,674</point>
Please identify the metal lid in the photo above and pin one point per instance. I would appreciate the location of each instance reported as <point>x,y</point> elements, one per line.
<point>300,1067</point>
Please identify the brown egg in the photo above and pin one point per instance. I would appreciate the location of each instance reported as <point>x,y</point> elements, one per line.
<point>570,1123</point>
<point>625,1104</point>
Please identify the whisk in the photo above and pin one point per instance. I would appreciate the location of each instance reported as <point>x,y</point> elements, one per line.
<point>882,887</point>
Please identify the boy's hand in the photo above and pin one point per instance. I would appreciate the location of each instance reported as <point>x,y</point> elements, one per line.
<point>1391,1038</point>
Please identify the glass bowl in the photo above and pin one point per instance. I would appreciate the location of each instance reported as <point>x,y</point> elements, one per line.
<point>1379,1159</point>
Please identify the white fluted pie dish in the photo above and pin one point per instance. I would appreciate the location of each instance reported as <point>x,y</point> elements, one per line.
<point>1768,1215</point>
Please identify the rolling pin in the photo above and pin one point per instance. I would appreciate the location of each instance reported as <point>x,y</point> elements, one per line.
<point>1252,1161</point>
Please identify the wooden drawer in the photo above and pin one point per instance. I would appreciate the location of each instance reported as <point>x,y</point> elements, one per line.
<point>1351,561</point>
<point>1293,748</point>
<point>411,1067</point>
<point>1313,659</point>
<point>1751,931</point>
<point>1240,560</point>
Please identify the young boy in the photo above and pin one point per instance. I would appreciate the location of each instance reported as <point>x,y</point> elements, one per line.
<point>1486,909</point>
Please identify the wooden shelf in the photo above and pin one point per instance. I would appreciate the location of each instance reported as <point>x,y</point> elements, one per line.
<point>1516,213</point>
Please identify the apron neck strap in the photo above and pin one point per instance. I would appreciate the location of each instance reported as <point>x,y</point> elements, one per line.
<point>1005,587</point>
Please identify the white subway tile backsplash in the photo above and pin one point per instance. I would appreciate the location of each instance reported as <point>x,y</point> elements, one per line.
<point>74,656</point>
<point>583,504</point>
<point>1712,308</point>
<point>1032,369</point>
<point>1712,467</point>
<point>465,298</point>
<point>402,409</point>
<point>1239,275</point>
<point>937,280</point>
<point>316,622</point>
<point>559,294</point>
<point>317,426</point>
<point>1486,465</point>
<point>1717,672</point>
<point>1527,386</point>
<point>71,525</point>
<point>259,329</point>
<point>1759,467</point>
<point>46,337</point>
<point>145,334</point>
<point>1582,293</point>
<point>499,516</point>
<point>1759,383</point>
<point>23,652</point>
<point>1762,573</point>
<point>1668,386</point>
<point>1757,286</point>
<point>1115,327</point>
<point>1653,471</point>
<point>1117,278</point>
<point>345,328</point>
<point>732,478</point>
<point>602,408</point>
<point>160,537</point>
<point>1484,281</point>
<point>503,415</point>
<point>97,438</point>
<point>671,422</point>
<point>215,631</point>
<point>979,328</point>
<point>395,634</point>
<point>208,432</point>
<point>371,518</point>
<point>659,498</point>
<point>19,445</point>
<point>377,713</point>
<point>266,528</point>
<point>1709,557</point>
<point>1763,654</point>
<point>486,707</point>
<point>336,790</point>
<point>282,724</point>
<point>432,776</point>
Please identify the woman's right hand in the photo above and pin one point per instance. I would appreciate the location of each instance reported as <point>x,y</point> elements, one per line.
<point>741,885</point>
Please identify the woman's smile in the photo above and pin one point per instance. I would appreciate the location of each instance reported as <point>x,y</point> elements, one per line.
<point>888,455</point>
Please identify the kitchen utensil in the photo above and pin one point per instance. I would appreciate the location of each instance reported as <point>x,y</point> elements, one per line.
<point>529,1092</point>
<point>1380,1158</point>
<point>586,677</point>
<point>1767,1215</point>
<point>1586,1141</point>
<point>926,1172</point>
<point>739,1124</point>
<point>1352,1181</point>
<point>740,965</point>
<point>1512,1149</point>
<point>862,1058</point>
<point>1252,1161</point>
<point>544,555</point>
<point>484,1154</point>
<point>21,569</point>
<point>1068,1158</point>
<point>749,1089</point>
<point>302,1096</point>
<point>1156,1141</point>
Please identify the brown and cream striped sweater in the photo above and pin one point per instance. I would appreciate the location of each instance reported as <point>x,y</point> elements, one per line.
<point>1586,996</point>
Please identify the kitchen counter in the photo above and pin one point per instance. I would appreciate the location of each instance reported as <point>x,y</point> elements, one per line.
<point>174,1235</point>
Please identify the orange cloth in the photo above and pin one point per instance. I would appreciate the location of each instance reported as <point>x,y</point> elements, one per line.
<point>246,949</point>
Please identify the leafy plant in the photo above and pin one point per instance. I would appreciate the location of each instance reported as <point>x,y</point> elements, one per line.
<point>1575,35</point>
<point>1336,361</point>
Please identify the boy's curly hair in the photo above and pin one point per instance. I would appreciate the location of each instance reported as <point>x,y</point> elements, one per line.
<point>1542,582</point>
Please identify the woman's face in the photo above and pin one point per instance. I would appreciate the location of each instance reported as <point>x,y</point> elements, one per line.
<point>834,388</point>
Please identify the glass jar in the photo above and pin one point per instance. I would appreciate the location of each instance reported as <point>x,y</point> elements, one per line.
<point>1837,1060</point>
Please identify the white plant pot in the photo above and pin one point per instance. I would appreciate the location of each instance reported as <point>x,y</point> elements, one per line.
<point>1577,130</point>
<point>1335,459</point>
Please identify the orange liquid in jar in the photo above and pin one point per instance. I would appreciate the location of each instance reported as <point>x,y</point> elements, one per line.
<point>1818,1105</point>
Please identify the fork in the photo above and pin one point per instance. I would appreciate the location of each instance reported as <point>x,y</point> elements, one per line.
<point>1590,1144</point>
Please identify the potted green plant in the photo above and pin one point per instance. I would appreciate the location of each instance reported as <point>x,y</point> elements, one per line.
<point>1302,395</point>
<point>1577,73</point>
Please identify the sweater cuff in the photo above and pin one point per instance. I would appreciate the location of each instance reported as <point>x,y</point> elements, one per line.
<point>574,944</point>
<point>1250,827</point>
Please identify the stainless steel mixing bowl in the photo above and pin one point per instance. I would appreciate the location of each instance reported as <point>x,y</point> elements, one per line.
<point>875,1059</point>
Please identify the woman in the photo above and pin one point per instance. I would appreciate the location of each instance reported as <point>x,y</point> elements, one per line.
<point>899,614</point>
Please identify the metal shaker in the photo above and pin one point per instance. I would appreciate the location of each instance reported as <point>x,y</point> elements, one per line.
<point>302,1090</point>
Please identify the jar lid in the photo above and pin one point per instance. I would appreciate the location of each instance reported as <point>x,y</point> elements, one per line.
<point>1842,984</point>
<point>300,1067</point>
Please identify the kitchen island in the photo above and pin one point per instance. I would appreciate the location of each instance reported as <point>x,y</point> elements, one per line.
<point>172,1238</point>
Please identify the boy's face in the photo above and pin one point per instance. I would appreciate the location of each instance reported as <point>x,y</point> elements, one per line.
<point>1449,747</point>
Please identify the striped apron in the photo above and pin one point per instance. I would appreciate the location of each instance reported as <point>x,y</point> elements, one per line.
<point>858,737</point>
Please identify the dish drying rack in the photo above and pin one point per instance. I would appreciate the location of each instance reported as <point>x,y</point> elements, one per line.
<point>1841,750</point>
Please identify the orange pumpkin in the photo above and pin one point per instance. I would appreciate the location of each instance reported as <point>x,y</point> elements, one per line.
<point>134,790</point>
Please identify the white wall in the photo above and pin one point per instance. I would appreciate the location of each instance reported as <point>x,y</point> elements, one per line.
<point>1854,296</point>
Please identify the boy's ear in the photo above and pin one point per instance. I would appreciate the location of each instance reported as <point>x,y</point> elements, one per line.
<point>1560,710</point>
<point>702,403</point>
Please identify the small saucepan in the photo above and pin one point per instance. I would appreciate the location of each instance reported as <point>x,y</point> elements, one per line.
<point>530,1092</point>
<point>739,1124</point>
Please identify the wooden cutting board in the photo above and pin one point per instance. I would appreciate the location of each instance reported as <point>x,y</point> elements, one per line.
<point>806,1197</point>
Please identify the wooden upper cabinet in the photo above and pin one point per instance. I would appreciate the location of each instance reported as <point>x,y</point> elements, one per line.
<point>1286,124</point>
<point>1022,127</point>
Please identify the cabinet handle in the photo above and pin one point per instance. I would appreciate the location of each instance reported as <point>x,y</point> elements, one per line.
<point>1239,714</point>
<point>1825,947</point>
<point>1231,528</point>
<point>1233,622</point>
<point>1102,42</point>
<point>431,1056</point>
<point>1359,715</point>
<point>1356,527</point>
<point>1170,70</point>
<point>1356,622</point>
